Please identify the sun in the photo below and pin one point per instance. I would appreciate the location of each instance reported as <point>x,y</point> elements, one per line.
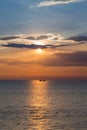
<point>39,50</point>
<point>39,43</point>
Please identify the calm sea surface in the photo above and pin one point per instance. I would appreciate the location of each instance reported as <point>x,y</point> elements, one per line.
<point>49,105</point>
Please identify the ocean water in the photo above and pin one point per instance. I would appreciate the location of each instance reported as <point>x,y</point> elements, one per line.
<point>49,105</point>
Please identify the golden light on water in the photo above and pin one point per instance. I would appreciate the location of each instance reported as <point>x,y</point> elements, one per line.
<point>39,93</point>
<point>39,102</point>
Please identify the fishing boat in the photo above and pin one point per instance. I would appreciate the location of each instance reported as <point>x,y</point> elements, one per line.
<point>42,80</point>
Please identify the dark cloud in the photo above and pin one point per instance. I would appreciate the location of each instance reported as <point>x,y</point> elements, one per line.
<point>56,37</point>
<point>31,38</point>
<point>78,38</point>
<point>33,46</point>
<point>9,38</point>
<point>66,59</point>
<point>42,37</point>
<point>58,42</point>
<point>80,56</point>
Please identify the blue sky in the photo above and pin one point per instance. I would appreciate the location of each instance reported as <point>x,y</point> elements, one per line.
<point>33,16</point>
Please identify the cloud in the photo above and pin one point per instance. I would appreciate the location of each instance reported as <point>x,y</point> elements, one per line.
<point>34,37</point>
<point>55,2</point>
<point>49,41</point>
<point>9,38</point>
<point>32,46</point>
<point>46,37</point>
<point>78,58</point>
<point>63,59</point>
<point>78,38</point>
<point>42,37</point>
<point>57,50</point>
<point>31,38</point>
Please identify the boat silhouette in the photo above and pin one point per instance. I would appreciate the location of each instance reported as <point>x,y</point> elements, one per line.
<point>42,80</point>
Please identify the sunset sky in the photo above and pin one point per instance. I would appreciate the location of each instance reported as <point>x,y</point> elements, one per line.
<point>43,39</point>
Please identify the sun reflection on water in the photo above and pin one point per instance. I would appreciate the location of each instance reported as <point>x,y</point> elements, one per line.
<point>39,94</point>
<point>39,103</point>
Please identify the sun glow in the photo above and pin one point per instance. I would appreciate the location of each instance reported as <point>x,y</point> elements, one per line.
<point>38,43</point>
<point>39,50</point>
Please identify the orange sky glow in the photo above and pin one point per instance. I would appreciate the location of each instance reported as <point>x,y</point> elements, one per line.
<point>50,57</point>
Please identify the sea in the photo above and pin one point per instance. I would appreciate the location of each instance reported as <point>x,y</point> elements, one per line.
<point>43,105</point>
